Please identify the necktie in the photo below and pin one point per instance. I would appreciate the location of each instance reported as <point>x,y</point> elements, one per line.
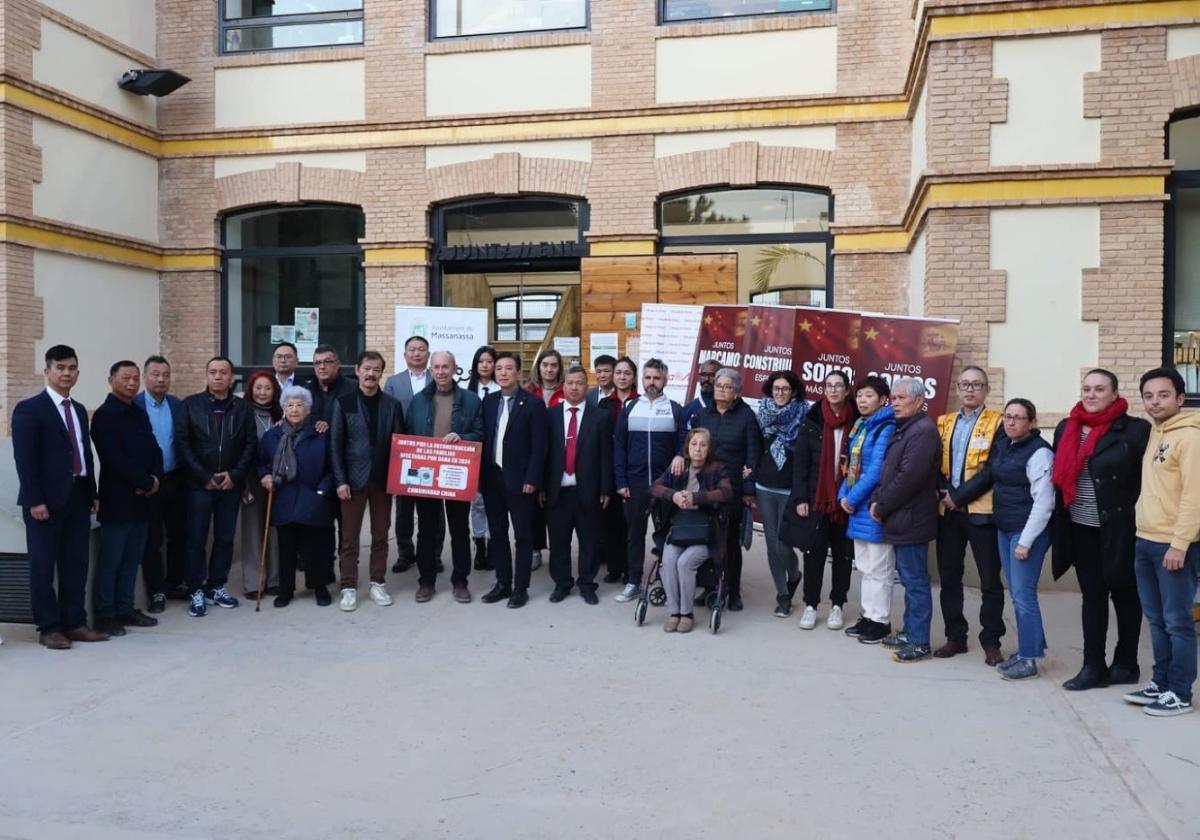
<point>501,428</point>
<point>76,458</point>
<point>572,433</point>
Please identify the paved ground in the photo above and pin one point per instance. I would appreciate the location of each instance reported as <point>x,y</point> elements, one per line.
<point>563,720</point>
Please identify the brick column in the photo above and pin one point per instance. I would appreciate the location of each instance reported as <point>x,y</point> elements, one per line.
<point>623,53</point>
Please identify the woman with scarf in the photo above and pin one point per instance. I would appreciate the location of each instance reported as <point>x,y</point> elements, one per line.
<point>293,464</point>
<point>1098,476</point>
<point>262,392</point>
<point>779,416</point>
<point>817,471</point>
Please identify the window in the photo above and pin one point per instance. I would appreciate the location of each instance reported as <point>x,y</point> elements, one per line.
<point>781,237</point>
<point>282,267</point>
<point>251,25</point>
<point>453,18</point>
<point>525,317</point>
<point>673,10</point>
<point>1182,287</point>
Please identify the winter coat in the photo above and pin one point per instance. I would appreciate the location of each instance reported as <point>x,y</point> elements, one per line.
<point>877,431</point>
<point>736,441</point>
<point>308,498</point>
<point>907,498</point>
<point>716,493</point>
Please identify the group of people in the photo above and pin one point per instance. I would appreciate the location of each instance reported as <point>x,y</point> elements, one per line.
<point>861,478</point>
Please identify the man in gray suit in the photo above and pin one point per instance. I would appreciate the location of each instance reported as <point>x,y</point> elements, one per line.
<point>402,386</point>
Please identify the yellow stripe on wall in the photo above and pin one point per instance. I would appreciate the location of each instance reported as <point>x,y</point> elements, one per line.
<point>85,246</point>
<point>1062,18</point>
<point>624,248</point>
<point>394,255</point>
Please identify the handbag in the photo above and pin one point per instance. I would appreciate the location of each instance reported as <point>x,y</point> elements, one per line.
<point>747,535</point>
<point>689,527</point>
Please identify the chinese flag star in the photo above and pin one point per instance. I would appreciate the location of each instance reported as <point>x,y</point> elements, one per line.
<point>805,325</point>
<point>871,334</point>
<point>708,319</point>
<point>756,321</point>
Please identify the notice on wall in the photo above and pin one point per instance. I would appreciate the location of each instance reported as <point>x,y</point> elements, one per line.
<point>459,330</point>
<point>281,333</point>
<point>308,331</point>
<point>603,344</point>
<point>568,345</point>
<point>427,468</point>
<point>669,333</point>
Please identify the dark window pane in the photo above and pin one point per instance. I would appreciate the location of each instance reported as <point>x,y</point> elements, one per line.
<point>301,227</point>
<point>482,17</point>
<point>743,212</point>
<point>512,222</point>
<point>333,33</point>
<point>1187,286</point>
<point>235,9</point>
<point>699,9</point>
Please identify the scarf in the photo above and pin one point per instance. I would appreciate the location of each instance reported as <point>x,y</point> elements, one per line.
<point>782,422</point>
<point>827,477</point>
<point>284,468</point>
<point>1072,453</point>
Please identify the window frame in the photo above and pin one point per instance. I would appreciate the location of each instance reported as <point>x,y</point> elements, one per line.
<point>520,321</point>
<point>663,21</point>
<point>224,24</point>
<point>1179,179</point>
<point>433,37</point>
<point>358,292</point>
<point>826,237</point>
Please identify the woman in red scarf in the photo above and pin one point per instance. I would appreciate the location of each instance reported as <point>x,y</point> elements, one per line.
<point>1097,478</point>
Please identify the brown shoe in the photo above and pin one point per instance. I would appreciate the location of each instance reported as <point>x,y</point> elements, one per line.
<point>686,622</point>
<point>86,634</point>
<point>992,656</point>
<point>462,594</point>
<point>671,624</point>
<point>424,594</point>
<point>54,641</point>
<point>952,647</point>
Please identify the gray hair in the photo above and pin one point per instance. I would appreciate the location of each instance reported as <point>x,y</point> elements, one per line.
<point>453,361</point>
<point>732,375</point>
<point>913,387</point>
<point>657,364</point>
<point>296,392</point>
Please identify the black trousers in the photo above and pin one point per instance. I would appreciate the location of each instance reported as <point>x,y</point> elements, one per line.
<point>503,505</point>
<point>405,510</point>
<point>1089,570</point>
<point>539,529</point>
<point>955,532</point>
<point>430,539</point>
<point>733,546</point>
<point>569,514</point>
<point>309,545</point>
<point>58,548</point>
<point>613,540</point>
<point>168,517</point>
<point>830,540</point>
<point>637,513</point>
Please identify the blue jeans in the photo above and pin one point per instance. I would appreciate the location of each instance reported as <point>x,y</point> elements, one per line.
<point>122,546</point>
<point>1167,602</point>
<point>1023,577</point>
<point>220,509</point>
<point>912,562</point>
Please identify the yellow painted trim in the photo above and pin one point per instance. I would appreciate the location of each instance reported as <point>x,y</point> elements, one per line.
<point>85,246</point>
<point>190,262</point>
<point>1062,18</point>
<point>71,116</point>
<point>395,255</point>
<point>877,241</point>
<point>626,248</point>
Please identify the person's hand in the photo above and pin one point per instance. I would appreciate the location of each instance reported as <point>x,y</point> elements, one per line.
<point>679,499</point>
<point>946,501</point>
<point>268,483</point>
<point>748,501</point>
<point>343,492</point>
<point>874,515</point>
<point>846,506</point>
<point>155,487</point>
<point>802,509</point>
<point>321,426</point>
<point>677,465</point>
<point>623,492</point>
<point>40,512</point>
<point>96,505</point>
<point>746,472</point>
<point>603,502</point>
<point>528,489</point>
<point>226,483</point>
<point>211,484</point>
<point>1173,560</point>
<point>1021,552</point>
<point>451,438</point>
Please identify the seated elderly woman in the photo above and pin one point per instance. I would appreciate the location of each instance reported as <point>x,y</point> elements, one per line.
<point>695,524</point>
<point>293,463</point>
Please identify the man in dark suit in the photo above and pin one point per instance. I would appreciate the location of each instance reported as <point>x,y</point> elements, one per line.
<point>131,468</point>
<point>58,496</point>
<point>402,386</point>
<point>579,483</point>
<point>514,449</point>
<point>603,368</point>
<point>168,507</point>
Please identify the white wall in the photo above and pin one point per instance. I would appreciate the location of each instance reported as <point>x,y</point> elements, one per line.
<point>1043,344</point>
<point>579,150</point>
<point>129,21</point>
<point>236,165</point>
<point>810,137</point>
<point>69,62</point>
<point>754,65</point>
<point>916,277</point>
<point>1182,41</point>
<point>112,314</point>
<point>94,183</point>
<point>920,152</point>
<point>289,94</point>
<point>1045,100</point>
<point>495,81</point>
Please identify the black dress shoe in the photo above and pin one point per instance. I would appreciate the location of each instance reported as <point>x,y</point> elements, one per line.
<point>614,577</point>
<point>589,596</point>
<point>734,602</point>
<point>1124,675</point>
<point>496,594</point>
<point>137,618</point>
<point>178,593</point>
<point>481,564</point>
<point>270,590</point>
<point>1088,677</point>
<point>110,626</point>
<point>519,599</point>
<point>283,599</point>
<point>559,594</point>
<point>324,599</point>
<point>403,564</point>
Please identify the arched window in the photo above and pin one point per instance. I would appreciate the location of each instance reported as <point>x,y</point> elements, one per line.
<point>780,235</point>
<point>1181,304</point>
<point>292,273</point>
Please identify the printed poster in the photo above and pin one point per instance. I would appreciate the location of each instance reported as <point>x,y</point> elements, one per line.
<point>427,468</point>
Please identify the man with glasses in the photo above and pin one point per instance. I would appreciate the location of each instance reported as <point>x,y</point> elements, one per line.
<point>327,385</point>
<point>967,436</point>
<point>285,359</point>
<point>706,378</point>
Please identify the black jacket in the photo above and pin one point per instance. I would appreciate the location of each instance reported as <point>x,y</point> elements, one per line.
<point>524,439</point>
<point>1116,471</point>
<point>130,460</point>
<point>323,400</point>
<point>714,498</point>
<point>907,495</point>
<point>206,451</point>
<point>737,441</point>
<point>593,454</point>
<point>353,458</point>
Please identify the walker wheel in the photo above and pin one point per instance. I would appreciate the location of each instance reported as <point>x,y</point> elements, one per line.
<point>712,600</point>
<point>639,612</point>
<point>714,620</point>
<point>658,596</point>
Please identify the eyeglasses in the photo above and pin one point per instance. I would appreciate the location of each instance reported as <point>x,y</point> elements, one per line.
<point>835,386</point>
<point>971,386</point>
<point>781,389</point>
<point>725,387</point>
<point>1015,418</point>
<point>324,362</point>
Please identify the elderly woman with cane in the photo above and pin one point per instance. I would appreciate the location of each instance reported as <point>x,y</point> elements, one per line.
<point>293,463</point>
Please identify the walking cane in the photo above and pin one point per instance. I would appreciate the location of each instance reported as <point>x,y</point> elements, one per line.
<point>262,559</point>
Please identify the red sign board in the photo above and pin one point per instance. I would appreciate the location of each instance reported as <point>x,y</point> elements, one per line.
<point>427,468</point>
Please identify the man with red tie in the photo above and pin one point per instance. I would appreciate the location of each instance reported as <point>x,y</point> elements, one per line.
<point>58,497</point>
<point>579,483</point>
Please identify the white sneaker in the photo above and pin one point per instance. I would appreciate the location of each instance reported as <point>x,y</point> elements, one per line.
<point>349,600</point>
<point>631,591</point>
<point>808,620</point>
<point>536,562</point>
<point>835,620</point>
<point>380,595</point>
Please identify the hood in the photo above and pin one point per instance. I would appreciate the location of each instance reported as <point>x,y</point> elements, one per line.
<point>1182,420</point>
<point>883,415</point>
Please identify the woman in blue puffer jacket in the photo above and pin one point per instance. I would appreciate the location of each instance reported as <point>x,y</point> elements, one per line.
<point>874,558</point>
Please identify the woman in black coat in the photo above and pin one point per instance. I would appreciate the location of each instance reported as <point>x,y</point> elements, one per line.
<point>1097,479</point>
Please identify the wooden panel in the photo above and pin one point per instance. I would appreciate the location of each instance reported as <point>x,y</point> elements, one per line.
<point>697,278</point>
<point>611,287</point>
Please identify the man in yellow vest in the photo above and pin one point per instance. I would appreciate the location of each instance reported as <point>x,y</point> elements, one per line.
<point>967,436</point>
